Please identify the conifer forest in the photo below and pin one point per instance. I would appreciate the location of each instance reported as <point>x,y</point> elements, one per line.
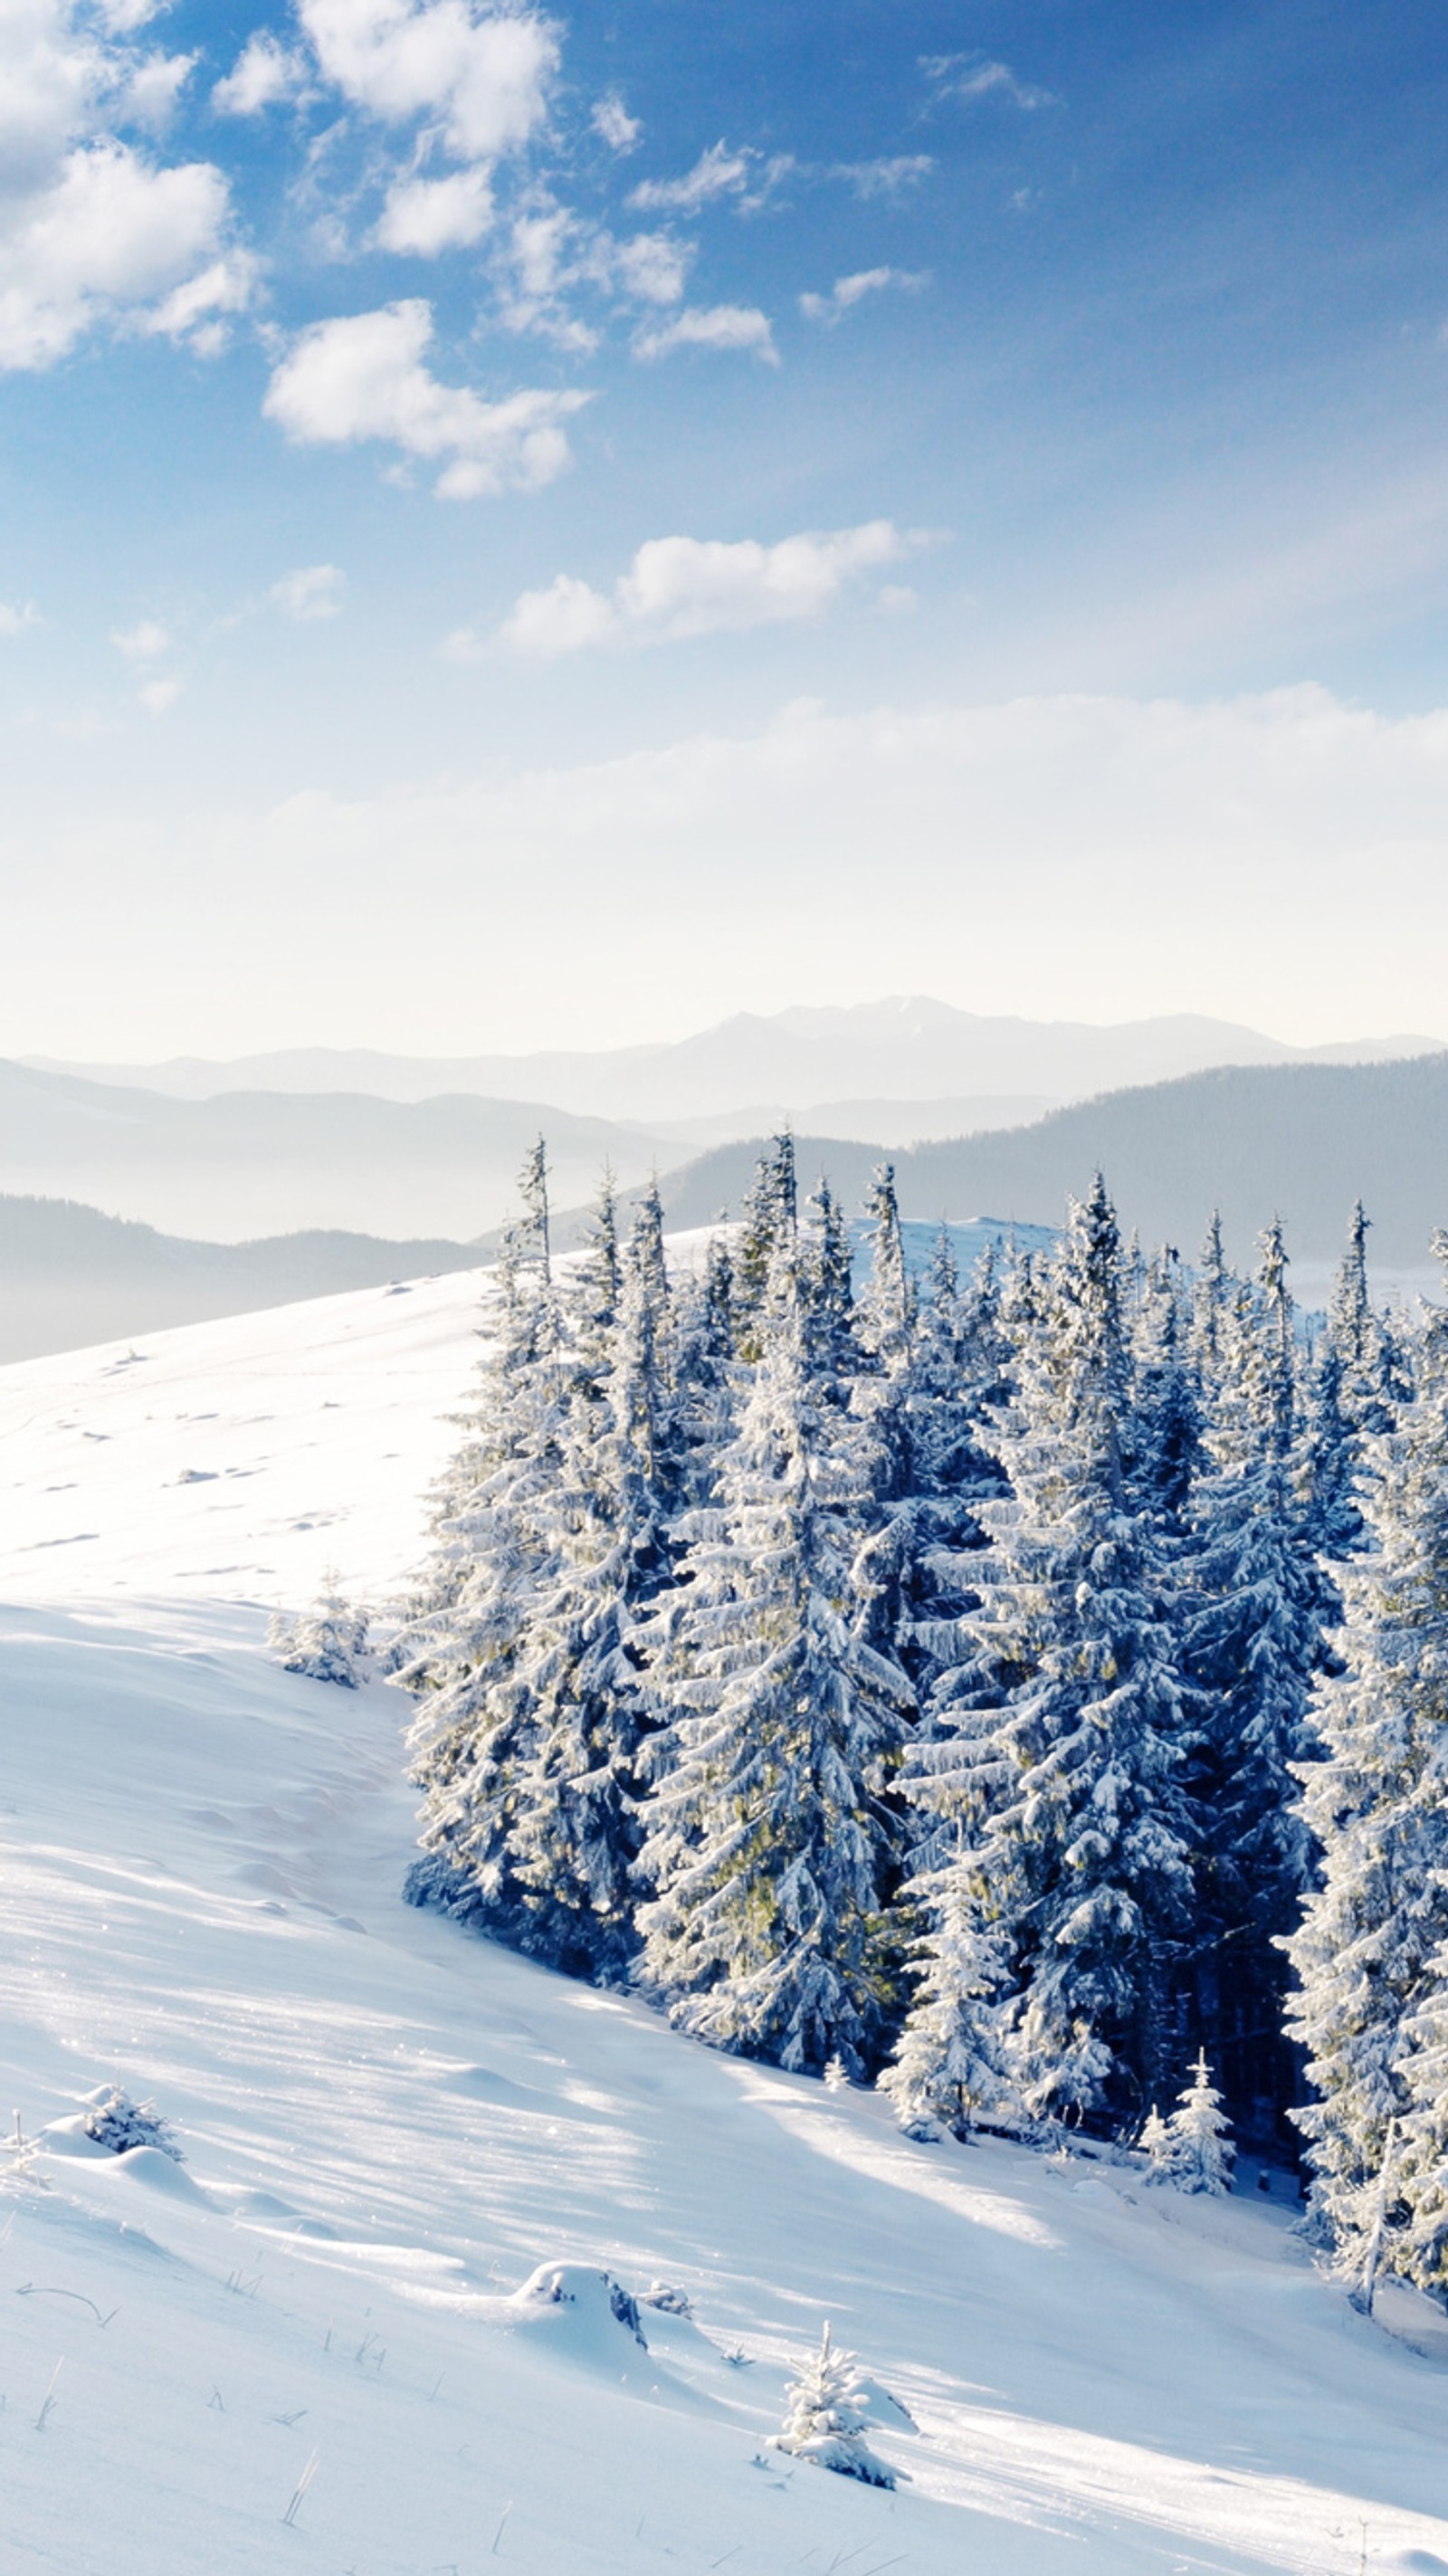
<point>1024,1691</point>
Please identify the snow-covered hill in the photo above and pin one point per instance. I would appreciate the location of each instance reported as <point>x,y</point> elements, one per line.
<point>389,2127</point>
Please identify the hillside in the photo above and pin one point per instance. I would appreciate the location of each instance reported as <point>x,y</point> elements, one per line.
<point>267,1162</point>
<point>390,2126</point>
<point>1299,1141</point>
<point>69,1275</point>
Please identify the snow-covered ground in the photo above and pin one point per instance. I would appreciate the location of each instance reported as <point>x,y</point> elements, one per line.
<point>388,2126</point>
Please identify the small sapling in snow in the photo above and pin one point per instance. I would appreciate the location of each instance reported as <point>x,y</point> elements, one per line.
<point>826,2419</point>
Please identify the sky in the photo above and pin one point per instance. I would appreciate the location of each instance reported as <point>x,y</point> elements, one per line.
<point>524,528</point>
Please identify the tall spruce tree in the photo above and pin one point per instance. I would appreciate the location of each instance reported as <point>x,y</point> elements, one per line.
<point>1254,1641</point>
<point>767,1838</point>
<point>1073,1852</point>
<point>1370,1952</point>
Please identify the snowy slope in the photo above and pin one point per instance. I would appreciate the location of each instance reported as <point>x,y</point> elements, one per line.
<point>388,2126</point>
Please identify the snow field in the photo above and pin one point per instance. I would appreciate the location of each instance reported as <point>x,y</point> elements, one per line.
<point>389,2126</point>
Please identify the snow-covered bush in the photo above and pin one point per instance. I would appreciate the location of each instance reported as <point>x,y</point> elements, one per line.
<point>826,2419</point>
<point>114,2120</point>
<point>1198,2154</point>
<point>326,1643</point>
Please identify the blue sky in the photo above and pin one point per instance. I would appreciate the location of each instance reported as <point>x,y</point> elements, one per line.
<point>454,461</point>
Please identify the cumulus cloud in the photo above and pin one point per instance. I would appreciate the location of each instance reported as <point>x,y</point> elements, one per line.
<point>14,621</point>
<point>848,291</point>
<point>683,586</point>
<point>364,377</point>
<point>91,227</point>
<point>143,643</point>
<point>888,177</point>
<point>971,76</point>
<point>711,326</point>
<point>483,74</point>
<point>158,697</point>
<point>311,592</point>
<point>611,120</point>
<point>717,173</point>
<point>426,216</point>
<point>264,74</point>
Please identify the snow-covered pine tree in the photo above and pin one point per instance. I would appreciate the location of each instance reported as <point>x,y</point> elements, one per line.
<point>827,1289</point>
<point>1198,2154</point>
<point>574,1834</point>
<point>1166,1436</point>
<point>1254,1641</point>
<point>1154,2142</point>
<point>463,1650</point>
<point>767,1836</point>
<point>769,1225</point>
<point>1063,1777</point>
<point>827,2419</point>
<point>327,1642</point>
<point>1369,1954</point>
<point>1214,1295</point>
<point>947,2063</point>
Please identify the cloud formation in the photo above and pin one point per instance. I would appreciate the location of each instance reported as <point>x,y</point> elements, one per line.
<point>426,216</point>
<point>311,592</point>
<point>611,119</point>
<point>685,586</point>
<point>717,173</point>
<point>711,326</point>
<point>971,76</point>
<point>92,228</point>
<point>484,74</point>
<point>143,643</point>
<point>849,291</point>
<point>264,74</point>
<point>365,377</point>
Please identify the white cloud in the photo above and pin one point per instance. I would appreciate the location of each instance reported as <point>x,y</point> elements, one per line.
<point>153,88</point>
<point>611,120</point>
<point>683,586</point>
<point>15,621</point>
<point>143,643</point>
<point>91,228</point>
<point>717,173</point>
<point>970,76</point>
<point>652,267</point>
<point>483,73</point>
<point>848,291</point>
<point>426,216</point>
<point>884,178</point>
<point>264,73</point>
<point>194,311</point>
<point>159,696</point>
<point>712,326</point>
<point>363,377</point>
<point>311,592</point>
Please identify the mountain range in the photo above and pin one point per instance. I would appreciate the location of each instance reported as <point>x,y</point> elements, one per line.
<point>793,1062</point>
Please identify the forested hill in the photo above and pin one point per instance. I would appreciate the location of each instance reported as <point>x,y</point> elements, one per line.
<point>1296,1141</point>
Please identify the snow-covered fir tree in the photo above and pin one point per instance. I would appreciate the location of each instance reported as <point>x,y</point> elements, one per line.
<point>1198,2154</point>
<point>947,2066</point>
<point>1369,1954</point>
<point>827,2419</point>
<point>767,1836</point>
<point>551,1548</point>
<point>1254,1641</point>
<point>1065,1777</point>
<point>1154,2143</point>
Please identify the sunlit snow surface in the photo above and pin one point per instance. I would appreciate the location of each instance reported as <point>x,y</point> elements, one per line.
<point>388,2125</point>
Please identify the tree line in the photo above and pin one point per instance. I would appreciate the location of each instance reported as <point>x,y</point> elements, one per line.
<point>1003,1689</point>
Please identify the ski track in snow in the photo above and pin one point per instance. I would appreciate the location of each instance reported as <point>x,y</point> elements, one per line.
<point>388,2124</point>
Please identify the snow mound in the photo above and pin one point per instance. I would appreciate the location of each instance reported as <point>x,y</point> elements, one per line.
<point>590,2311</point>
